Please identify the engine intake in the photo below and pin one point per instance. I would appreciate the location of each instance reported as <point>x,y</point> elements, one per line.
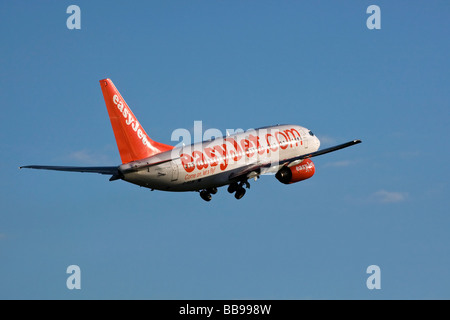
<point>304,170</point>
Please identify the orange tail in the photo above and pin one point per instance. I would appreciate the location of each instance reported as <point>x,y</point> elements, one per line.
<point>132,141</point>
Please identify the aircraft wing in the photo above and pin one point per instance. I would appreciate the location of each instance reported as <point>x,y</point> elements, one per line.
<point>255,170</point>
<point>296,160</point>
<point>101,170</point>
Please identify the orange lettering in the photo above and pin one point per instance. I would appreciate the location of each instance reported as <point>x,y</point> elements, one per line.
<point>234,153</point>
<point>186,160</point>
<point>272,146</point>
<point>211,153</point>
<point>278,140</point>
<point>200,160</point>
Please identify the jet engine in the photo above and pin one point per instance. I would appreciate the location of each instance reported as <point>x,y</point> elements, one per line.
<point>304,170</point>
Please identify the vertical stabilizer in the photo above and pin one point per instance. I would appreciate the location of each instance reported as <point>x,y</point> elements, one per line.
<point>132,140</point>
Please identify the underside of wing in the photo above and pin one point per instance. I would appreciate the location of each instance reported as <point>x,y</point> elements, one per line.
<point>296,160</point>
<point>254,170</point>
<point>247,172</point>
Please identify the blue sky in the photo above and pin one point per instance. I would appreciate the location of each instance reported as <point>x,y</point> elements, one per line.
<point>230,64</point>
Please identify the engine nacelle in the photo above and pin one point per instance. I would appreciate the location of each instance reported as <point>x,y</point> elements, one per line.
<point>304,170</point>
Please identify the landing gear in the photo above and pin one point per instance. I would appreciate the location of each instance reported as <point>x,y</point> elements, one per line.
<point>239,193</point>
<point>205,195</point>
<point>238,188</point>
<point>233,187</point>
<point>212,190</point>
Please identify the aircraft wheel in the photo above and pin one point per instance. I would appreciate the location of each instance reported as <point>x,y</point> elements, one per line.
<point>232,187</point>
<point>205,195</point>
<point>239,193</point>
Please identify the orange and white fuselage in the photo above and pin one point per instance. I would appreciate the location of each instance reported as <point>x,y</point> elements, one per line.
<point>215,163</point>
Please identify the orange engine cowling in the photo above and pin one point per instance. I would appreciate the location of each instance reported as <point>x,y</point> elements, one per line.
<point>304,170</point>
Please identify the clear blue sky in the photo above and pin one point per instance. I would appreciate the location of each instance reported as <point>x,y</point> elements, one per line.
<point>230,64</point>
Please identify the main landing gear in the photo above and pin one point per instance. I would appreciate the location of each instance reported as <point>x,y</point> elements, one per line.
<point>238,189</point>
<point>206,194</point>
<point>235,187</point>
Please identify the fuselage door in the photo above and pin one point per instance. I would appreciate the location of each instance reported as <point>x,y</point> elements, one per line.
<point>305,137</point>
<point>174,170</point>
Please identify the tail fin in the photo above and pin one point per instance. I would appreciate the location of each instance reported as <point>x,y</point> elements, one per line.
<point>132,141</point>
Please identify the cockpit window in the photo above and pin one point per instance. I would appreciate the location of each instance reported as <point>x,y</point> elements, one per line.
<point>311,133</point>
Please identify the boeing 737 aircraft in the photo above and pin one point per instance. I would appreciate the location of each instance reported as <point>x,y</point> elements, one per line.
<point>232,160</point>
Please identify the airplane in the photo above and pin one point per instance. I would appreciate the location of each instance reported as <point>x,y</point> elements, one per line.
<point>231,160</point>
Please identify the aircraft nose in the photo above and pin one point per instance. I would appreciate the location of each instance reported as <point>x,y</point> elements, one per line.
<point>317,141</point>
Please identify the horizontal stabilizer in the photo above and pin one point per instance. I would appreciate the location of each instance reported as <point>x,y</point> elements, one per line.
<point>101,170</point>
